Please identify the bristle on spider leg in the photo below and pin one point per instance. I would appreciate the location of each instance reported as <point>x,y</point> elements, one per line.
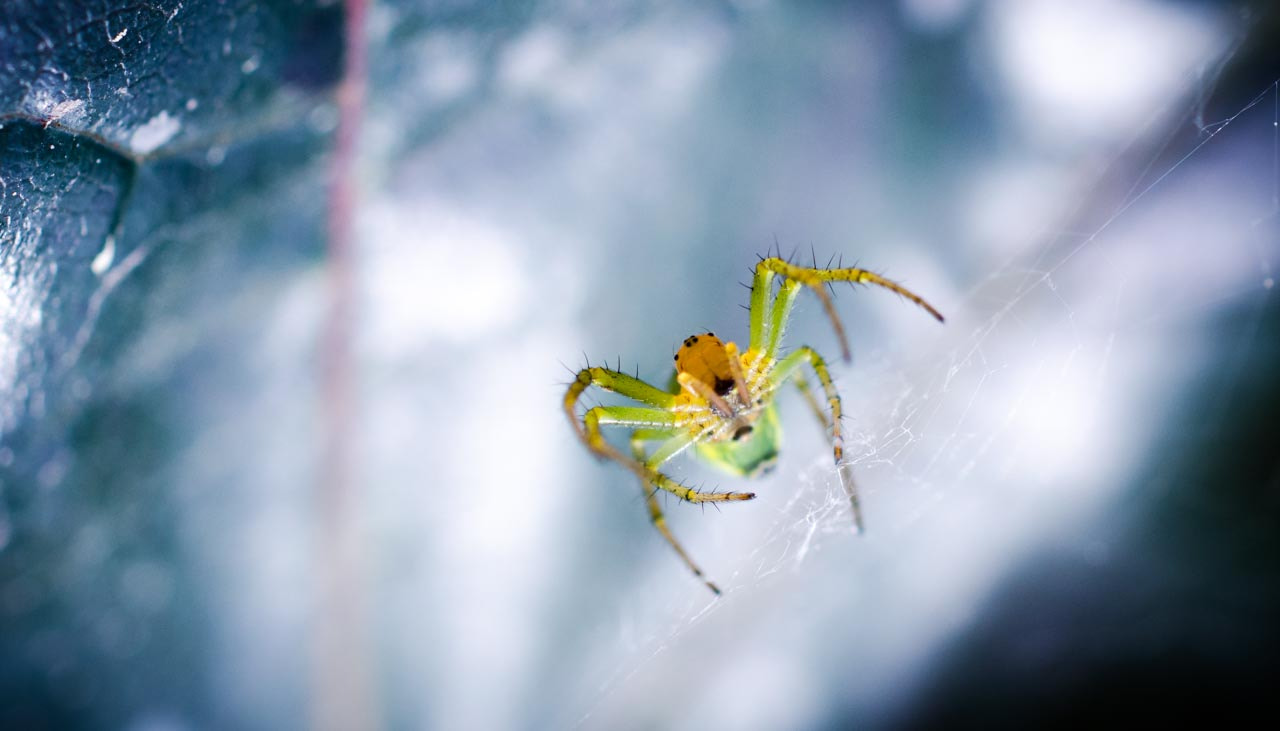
<point>572,372</point>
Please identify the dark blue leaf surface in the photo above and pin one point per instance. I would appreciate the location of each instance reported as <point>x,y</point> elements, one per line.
<point>160,165</point>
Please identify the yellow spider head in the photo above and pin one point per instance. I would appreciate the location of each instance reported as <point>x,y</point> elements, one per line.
<point>730,402</point>
<point>704,357</point>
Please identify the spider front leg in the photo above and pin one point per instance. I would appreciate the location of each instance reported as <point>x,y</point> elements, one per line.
<point>665,451</point>
<point>789,367</point>
<point>660,415</point>
<point>815,279</point>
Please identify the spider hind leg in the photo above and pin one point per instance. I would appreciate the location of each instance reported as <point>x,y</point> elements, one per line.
<point>789,368</point>
<point>656,516</point>
<point>651,421</point>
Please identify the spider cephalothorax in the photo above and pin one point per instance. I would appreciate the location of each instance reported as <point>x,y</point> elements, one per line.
<point>720,400</point>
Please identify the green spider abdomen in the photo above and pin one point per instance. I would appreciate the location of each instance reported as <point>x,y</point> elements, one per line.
<point>752,452</point>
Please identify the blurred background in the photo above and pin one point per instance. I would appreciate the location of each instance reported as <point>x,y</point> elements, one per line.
<point>282,357</point>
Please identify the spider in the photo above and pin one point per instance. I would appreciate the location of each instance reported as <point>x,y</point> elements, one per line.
<point>720,400</point>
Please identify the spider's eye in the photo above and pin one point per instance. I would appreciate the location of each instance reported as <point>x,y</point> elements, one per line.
<point>742,432</point>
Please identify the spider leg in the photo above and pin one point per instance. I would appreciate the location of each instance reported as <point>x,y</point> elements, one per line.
<point>617,382</point>
<point>761,284</point>
<point>631,416</point>
<point>664,452</point>
<point>781,310</point>
<point>636,417</point>
<point>802,385</point>
<point>789,367</point>
<point>816,279</point>
<point>696,387</point>
<point>739,377</point>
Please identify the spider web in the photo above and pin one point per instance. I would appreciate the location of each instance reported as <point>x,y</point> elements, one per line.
<point>533,214</point>
<point>1057,376</point>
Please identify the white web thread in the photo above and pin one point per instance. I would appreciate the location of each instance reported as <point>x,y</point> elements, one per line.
<point>818,509</point>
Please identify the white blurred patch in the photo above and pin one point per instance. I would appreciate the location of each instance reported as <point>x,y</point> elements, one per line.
<point>105,256</point>
<point>1010,202</point>
<point>1097,67</point>
<point>534,60</point>
<point>448,66</point>
<point>654,66</point>
<point>23,290</point>
<point>1066,429</point>
<point>462,327</point>
<point>158,130</point>
<point>770,690</point>
<point>508,508</point>
<point>438,272</point>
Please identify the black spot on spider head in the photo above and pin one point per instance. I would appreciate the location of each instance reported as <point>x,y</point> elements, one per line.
<point>741,432</point>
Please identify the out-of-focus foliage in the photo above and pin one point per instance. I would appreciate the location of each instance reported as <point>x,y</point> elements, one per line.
<point>147,151</point>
